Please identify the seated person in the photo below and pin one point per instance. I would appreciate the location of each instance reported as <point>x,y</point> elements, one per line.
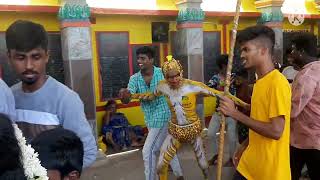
<point>60,152</point>
<point>117,130</point>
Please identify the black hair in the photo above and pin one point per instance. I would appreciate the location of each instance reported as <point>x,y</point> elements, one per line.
<point>242,73</point>
<point>10,153</point>
<point>222,60</point>
<point>288,51</point>
<point>263,35</point>
<point>25,35</point>
<point>17,174</point>
<point>59,149</point>
<point>306,42</point>
<point>145,50</point>
<point>109,103</point>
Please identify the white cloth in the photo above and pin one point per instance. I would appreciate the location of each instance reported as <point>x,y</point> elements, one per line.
<point>289,72</point>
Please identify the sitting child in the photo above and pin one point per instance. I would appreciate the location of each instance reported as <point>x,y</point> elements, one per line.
<point>117,130</point>
<point>60,152</point>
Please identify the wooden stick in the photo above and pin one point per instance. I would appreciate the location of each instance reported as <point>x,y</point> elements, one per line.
<point>226,88</point>
<point>164,176</point>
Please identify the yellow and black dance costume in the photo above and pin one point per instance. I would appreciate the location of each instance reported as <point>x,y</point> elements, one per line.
<point>185,125</point>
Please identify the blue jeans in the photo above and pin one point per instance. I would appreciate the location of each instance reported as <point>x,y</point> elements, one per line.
<point>151,150</point>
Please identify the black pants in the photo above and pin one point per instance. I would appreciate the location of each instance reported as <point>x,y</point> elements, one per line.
<point>300,157</point>
<point>238,176</point>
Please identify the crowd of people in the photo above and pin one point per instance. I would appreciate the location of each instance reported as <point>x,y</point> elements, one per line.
<point>276,120</point>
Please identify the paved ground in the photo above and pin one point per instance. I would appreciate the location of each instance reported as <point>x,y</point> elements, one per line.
<point>130,167</point>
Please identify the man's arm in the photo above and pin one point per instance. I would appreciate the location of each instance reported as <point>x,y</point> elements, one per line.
<point>7,102</point>
<point>145,96</point>
<point>272,129</point>
<point>202,88</point>
<point>150,95</point>
<point>238,153</point>
<point>4,105</point>
<point>247,107</point>
<point>302,92</point>
<point>125,93</point>
<point>74,119</point>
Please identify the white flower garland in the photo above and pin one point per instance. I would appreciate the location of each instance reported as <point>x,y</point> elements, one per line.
<point>31,164</point>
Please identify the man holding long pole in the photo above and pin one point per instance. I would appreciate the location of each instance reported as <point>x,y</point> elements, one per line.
<point>265,155</point>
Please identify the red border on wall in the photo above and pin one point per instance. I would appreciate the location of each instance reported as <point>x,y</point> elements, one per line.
<point>120,106</point>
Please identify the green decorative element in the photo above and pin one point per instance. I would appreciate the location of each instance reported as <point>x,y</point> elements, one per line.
<point>190,15</point>
<point>276,16</point>
<point>74,12</point>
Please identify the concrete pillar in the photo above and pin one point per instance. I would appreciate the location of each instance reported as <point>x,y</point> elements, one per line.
<point>190,38</point>
<point>271,15</point>
<point>190,42</point>
<point>77,53</point>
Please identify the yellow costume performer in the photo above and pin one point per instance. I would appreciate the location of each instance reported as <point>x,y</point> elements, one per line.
<point>185,125</point>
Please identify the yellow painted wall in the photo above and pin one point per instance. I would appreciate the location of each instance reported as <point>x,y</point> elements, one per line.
<point>31,2</point>
<point>45,2</point>
<point>248,6</point>
<point>49,21</point>
<point>166,4</point>
<point>311,7</point>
